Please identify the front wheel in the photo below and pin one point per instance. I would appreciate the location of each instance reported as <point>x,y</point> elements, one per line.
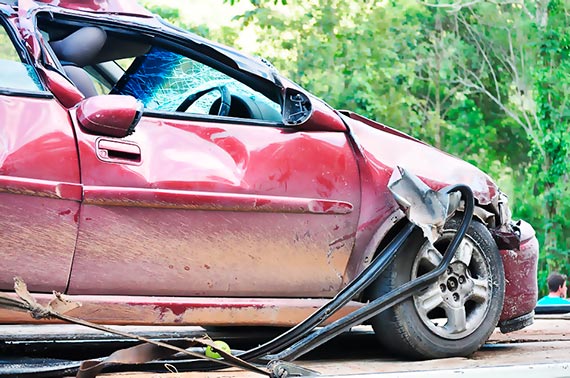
<point>456,314</point>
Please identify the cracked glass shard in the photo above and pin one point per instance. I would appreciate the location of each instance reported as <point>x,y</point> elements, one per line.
<point>163,79</point>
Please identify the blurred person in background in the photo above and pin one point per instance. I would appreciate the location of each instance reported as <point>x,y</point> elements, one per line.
<point>557,291</point>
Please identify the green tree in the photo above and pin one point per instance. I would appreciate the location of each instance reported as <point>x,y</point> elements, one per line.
<point>223,34</point>
<point>519,63</point>
<point>551,163</point>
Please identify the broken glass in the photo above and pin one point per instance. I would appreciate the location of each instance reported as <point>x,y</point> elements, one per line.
<point>163,79</point>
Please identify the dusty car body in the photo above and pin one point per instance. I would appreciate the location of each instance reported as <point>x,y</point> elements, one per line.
<point>148,212</point>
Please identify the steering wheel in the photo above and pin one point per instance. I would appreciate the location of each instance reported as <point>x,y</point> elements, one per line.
<point>225,99</point>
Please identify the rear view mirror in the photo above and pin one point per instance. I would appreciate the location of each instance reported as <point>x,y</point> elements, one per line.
<point>111,115</point>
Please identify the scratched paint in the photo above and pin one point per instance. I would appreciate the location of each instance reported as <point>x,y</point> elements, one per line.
<point>521,290</point>
<point>38,238</point>
<point>206,253</point>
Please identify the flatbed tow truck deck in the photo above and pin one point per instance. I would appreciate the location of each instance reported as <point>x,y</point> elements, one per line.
<point>541,350</point>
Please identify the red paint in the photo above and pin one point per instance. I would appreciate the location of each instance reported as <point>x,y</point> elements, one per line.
<point>379,126</point>
<point>38,187</point>
<point>61,88</point>
<point>179,309</point>
<point>324,116</point>
<point>26,26</point>
<point>521,291</point>
<point>176,309</point>
<point>194,197</point>
<point>206,200</point>
<point>111,115</point>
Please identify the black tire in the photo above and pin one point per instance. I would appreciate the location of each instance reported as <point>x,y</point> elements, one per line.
<point>468,299</point>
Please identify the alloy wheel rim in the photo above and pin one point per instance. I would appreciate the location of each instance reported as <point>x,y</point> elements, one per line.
<point>456,304</point>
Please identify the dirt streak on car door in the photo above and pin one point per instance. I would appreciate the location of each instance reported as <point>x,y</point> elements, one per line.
<point>216,209</point>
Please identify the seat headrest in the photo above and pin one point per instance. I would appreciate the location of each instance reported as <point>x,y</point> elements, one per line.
<point>80,47</point>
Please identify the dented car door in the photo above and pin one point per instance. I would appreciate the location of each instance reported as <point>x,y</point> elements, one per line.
<point>208,208</point>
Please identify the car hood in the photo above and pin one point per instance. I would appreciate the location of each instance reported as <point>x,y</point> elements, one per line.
<point>385,148</point>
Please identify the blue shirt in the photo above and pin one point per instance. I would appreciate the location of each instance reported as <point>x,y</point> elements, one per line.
<point>548,301</point>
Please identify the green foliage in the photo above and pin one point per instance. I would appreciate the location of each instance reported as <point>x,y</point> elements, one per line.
<point>8,52</point>
<point>224,34</point>
<point>256,2</point>
<point>551,167</point>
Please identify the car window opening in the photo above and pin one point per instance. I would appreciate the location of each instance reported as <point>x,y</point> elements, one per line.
<point>99,61</point>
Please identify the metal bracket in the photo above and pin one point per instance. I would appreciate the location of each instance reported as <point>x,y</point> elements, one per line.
<point>282,369</point>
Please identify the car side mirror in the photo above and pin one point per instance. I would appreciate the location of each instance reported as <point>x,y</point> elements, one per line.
<point>309,113</point>
<point>297,107</point>
<point>110,115</point>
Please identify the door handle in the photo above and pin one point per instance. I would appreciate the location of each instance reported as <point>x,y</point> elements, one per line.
<point>115,151</point>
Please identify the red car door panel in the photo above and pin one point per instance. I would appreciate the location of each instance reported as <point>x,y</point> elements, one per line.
<point>215,209</point>
<point>39,193</point>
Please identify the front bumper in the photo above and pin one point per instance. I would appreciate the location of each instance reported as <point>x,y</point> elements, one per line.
<point>521,290</point>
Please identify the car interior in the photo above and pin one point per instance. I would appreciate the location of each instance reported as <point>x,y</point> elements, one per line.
<point>165,77</point>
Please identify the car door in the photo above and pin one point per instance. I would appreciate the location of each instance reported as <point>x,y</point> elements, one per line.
<point>39,173</point>
<point>194,204</point>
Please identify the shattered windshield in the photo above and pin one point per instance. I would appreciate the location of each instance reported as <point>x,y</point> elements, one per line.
<point>163,79</point>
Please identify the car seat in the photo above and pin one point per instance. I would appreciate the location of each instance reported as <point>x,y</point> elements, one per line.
<point>78,50</point>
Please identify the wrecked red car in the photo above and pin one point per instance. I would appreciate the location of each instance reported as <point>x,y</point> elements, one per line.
<point>160,178</point>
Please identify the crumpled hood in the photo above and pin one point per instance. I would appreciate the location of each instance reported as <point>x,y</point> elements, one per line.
<point>385,149</point>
